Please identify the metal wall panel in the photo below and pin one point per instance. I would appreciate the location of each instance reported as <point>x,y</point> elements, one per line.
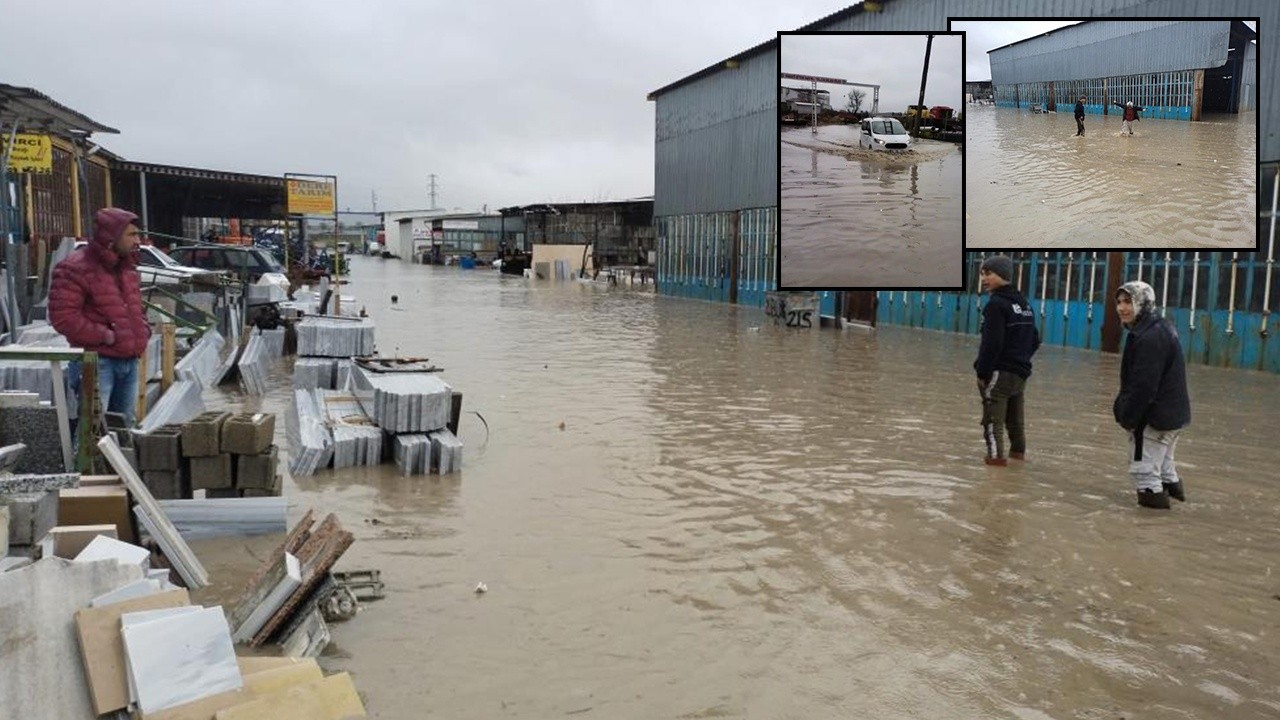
<point>717,141</point>
<point>1249,79</point>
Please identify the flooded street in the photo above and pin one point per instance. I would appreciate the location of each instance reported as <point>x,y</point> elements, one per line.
<point>1173,184</point>
<point>682,512</point>
<point>852,217</point>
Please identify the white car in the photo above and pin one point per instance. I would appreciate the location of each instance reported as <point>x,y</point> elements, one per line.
<point>157,268</point>
<point>879,133</point>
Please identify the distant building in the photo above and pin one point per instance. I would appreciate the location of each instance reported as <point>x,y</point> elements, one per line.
<point>619,232</point>
<point>1176,69</point>
<point>978,91</point>
<point>798,98</point>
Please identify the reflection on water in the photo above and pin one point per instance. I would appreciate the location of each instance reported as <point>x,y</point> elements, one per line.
<point>1173,183</point>
<point>857,218</point>
<point>739,521</point>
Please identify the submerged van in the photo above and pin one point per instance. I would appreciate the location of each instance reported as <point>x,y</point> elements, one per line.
<point>879,133</point>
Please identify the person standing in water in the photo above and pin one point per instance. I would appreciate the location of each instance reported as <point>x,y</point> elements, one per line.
<point>1009,339</point>
<point>1080,117</point>
<point>1130,115</point>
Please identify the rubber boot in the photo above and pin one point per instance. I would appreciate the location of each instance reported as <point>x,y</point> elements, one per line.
<point>1152,499</point>
<point>1174,490</point>
<point>1001,462</point>
<point>1015,455</point>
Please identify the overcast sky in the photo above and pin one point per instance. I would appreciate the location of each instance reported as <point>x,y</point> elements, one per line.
<point>986,35</point>
<point>894,62</point>
<point>506,102</point>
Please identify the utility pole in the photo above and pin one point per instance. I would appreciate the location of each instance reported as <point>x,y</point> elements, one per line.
<point>924,76</point>
<point>433,190</point>
<point>373,195</point>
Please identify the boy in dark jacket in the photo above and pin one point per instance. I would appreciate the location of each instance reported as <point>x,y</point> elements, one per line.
<point>1080,116</point>
<point>1153,404</point>
<point>1009,339</point>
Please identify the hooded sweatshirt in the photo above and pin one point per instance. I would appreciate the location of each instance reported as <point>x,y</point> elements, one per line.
<point>95,299</point>
<point>1009,335</point>
<point>1153,375</point>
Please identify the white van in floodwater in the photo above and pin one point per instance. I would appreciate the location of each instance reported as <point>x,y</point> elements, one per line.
<point>879,133</point>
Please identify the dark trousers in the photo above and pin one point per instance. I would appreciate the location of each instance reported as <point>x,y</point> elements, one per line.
<point>1079,126</point>
<point>1001,412</point>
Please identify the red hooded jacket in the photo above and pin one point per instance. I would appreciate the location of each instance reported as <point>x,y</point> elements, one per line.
<point>96,294</point>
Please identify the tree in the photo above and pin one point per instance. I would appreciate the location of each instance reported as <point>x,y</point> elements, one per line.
<point>855,100</point>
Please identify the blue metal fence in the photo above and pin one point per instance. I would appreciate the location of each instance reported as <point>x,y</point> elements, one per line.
<point>1219,301</point>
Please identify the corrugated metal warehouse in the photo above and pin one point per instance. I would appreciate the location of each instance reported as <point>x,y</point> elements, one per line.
<point>716,173</point>
<point>1175,69</point>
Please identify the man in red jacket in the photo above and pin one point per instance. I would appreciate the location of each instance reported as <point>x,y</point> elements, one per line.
<point>95,301</point>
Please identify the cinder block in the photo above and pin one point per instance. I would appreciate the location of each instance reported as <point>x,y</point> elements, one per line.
<point>31,515</point>
<point>259,492</point>
<point>165,485</point>
<point>211,473</point>
<point>257,471</point>
<point>248,433</point>
<point>221,493</point>
<point>202,436</point>
<point>160,449</point>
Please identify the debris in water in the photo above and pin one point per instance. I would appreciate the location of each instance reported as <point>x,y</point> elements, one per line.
<point>481,588</point>
<point>561,424</point>
<point>395,299</point>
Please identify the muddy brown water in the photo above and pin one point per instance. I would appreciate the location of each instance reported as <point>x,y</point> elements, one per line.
<point>852,217</point>
<point>738,521</point>
<point>1172,184</point>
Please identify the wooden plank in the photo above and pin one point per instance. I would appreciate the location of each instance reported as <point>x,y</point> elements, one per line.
<point>171,542</point>
<point>317,556</point>
<point>168,355</point>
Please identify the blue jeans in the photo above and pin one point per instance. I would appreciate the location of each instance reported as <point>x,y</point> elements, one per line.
<point>117,385</point>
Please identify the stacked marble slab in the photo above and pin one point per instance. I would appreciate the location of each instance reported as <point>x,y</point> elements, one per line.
<point>183,401</point>
<point>356,440</point>
<point>322,373</point>
<point>254,365</point>
<point>403,402</point>
<point>320,336</point>
<point>202,362</point>
<point>32,375</point>
<point>412,453</point>
<point>274,341</point>
<point>311,443</point>
<point>446,452</point>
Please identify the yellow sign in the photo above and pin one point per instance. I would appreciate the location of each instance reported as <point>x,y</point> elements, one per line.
<point>310,197</point>
<point>31,153</point>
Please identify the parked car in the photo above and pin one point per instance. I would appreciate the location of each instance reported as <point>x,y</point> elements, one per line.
<point>251,265</point>
<point>881,133</point>
<point>157,268</point>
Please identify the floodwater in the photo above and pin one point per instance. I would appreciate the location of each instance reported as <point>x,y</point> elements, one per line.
<point>683,512</point>
<point>1172,184</point>
<point>858,218</point>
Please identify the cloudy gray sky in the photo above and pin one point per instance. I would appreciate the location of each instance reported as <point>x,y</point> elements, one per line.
<point>985,35</point>
<point>894,62</point>
<point>506,102</point>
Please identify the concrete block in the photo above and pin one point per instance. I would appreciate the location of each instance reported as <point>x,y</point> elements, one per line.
<point>248,433</point>
<point>31,515</point>
<point>257,471</point>
<point>39,603</point>
<point>160,449</point>
<point>165,485</point>
<point>221,493</point>
<point>202,435</point>
<point>211,473</point>
<point>262,492</point>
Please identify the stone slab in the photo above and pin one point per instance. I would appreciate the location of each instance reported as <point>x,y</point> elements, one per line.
<point>37,428</point>
<point>103,547</point>
<point>97,505</point>
<point>102,649</point>
<point>69,540</point>
<point>39,603</point>
<point>179,659</point>
<point>332,698</point>
<point>29,483</point>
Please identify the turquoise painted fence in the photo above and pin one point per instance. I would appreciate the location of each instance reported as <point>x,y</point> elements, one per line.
<point>1220,322</point>
<point>695,255</point>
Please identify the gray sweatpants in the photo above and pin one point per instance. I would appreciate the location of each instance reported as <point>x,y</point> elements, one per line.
<point>1151,458</point>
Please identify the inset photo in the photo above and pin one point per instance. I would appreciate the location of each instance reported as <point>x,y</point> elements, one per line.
<point>871,131</point>
<point>1118,134</point>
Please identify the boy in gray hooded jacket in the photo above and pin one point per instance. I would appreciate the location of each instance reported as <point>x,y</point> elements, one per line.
<point>1153,404</point>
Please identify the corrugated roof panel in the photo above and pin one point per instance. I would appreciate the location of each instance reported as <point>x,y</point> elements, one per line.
<point>1113,48</point>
